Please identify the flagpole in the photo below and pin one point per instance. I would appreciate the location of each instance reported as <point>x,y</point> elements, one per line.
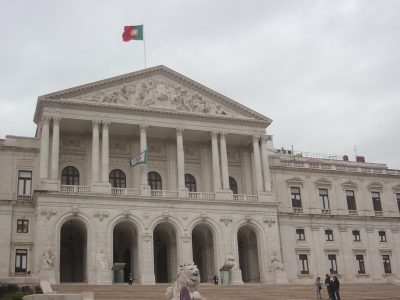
<point>144,48</point>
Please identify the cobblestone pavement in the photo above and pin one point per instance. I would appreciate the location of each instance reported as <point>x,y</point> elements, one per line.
<point>371,291</point>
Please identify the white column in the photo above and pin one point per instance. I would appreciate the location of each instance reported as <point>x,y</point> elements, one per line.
<point>180,155</point>
<point>224,161</point>
<point>95,151</point>
<point>44,148</point>
<point>105,157</point>
<point>265,164</point>
<point>55,148</point>
<point>257,164</point>
<point>143,147</point>
<point>215,161</point>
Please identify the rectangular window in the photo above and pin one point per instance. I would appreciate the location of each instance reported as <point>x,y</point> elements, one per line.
<point>323,196</point>
<point>329,235</point>
<point>300,235</point>
<point>356,236</point>
<point>20,260</point>
<point>296,197</point>
<point>351,200</point>
<point>386,264</point>
<point>24,182</point>
<point>382,236</point>
<point>22,226</point>
<point>332,264</point>
<point>360,264</point>
<point>303,264</point>
<point>398,200</point>
<point>376,201</point>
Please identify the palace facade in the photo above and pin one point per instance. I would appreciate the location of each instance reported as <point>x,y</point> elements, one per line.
<point>213,191</point>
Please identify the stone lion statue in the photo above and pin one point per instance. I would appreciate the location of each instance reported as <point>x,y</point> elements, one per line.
<point>187,276</point>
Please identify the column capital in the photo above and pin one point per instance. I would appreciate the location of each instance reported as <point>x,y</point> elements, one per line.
<point>46,119</point>
<point>143,128</point>
<point>179,131</point>
<point>264,138</point>
<point>105,123</point>
<point>96,123</point>
<point>255,138</point>
<point>223,134</point>
<point>214,134</point>
<point>56,119</point>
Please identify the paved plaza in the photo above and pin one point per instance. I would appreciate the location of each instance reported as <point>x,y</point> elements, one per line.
<point>245,292</point>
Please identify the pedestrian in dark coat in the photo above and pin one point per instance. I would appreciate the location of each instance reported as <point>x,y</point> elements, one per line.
<point>329,287</point>
<point>336,285</point>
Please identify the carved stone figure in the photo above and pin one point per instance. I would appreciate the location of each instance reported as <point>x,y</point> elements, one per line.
<point>102,261</point>
<point>276,264</point>
<point>188,276</point>
<point>47,258</point>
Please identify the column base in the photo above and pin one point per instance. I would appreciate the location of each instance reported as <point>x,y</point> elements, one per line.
<point>101,188</point>
<point>103,277</point>
<point>147,279</point>
<point>145,190</point>
<point>223,194</point>
<point>236,276</point>
<point>266,197</point>
<point>50,184</point>
<point>183,193</point>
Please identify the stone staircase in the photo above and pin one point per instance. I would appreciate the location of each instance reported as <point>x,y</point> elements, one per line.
<point>371,291</point>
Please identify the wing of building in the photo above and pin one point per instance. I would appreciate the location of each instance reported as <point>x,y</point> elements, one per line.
<point>209,188</point>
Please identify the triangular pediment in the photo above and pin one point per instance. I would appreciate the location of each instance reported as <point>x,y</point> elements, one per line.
<point>159,89</point>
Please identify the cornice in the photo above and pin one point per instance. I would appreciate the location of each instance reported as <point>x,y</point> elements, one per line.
<point>146,111</point>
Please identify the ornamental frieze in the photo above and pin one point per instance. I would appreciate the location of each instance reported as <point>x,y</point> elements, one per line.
<point>158,93</point>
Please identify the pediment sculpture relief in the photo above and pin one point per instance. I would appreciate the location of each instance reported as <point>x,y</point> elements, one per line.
<point>158,93</point>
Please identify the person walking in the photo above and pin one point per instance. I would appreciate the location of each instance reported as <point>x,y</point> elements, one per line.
<point>336,285</point>
<point>318,287</point>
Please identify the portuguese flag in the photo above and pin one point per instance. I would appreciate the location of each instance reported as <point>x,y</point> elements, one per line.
<point>132,33</point>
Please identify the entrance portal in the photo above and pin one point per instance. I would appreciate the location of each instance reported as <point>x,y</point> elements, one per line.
<point>165,253</point>
<point>73,243</point>
<point>248,254</point>
<point>125,248</point>
<point>203,252</point>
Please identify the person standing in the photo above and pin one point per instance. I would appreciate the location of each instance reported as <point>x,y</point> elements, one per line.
<point>130,278</point>
<point>216,279</point>
<point>318,287</point>
<point>329,287</point>
<point>336,285</point>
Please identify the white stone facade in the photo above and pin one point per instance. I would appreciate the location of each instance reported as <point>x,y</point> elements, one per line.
<point>214,191</point>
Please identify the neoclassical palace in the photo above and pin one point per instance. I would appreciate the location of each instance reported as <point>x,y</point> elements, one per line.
<point>214,191</point>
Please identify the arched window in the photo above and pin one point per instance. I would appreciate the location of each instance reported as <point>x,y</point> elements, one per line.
<point>233,185</point>
<point>190,183</point>
<point>70,176</point>
<point>154,181</point>
<point>117,178</point>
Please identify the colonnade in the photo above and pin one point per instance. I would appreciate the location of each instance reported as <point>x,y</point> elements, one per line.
<point>220,170</point>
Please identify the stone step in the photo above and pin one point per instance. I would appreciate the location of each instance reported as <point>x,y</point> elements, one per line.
<point>381,291</point>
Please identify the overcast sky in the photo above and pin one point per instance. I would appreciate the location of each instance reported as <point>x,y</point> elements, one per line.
<point>326,72</point>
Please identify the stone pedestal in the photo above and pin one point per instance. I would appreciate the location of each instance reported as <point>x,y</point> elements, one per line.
<point>223,195</point>
<point>280,277</point>
<point>145,190</point>
<point>236,276</point>
<point>50,185</point>
<point>101,188</point>
<point>266,197</point>
<point>104,277</point>
<point>183,193</point>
